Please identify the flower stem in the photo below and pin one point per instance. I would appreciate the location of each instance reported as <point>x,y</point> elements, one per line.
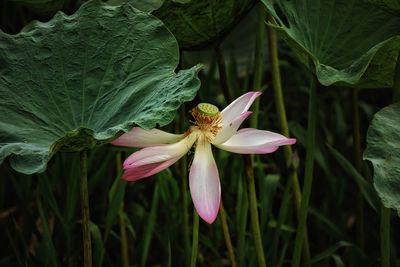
<point>186,227</point>
<point>195,239</point>
<point>122,224</point>
<point>308,176</point>
<point>249,169</point>
<point>283,124</point>
<point>124,239</point>
<point>283,211</point>
<point>242,226</point>
<point>254,212</point>
<point>227,236</point>
<point>185,204</point>
<point>257,83</point>
<point>87,244</point>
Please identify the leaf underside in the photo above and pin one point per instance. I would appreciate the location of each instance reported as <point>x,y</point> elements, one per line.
<point>197,24</point>
<point>78,81</point>
<point>383,150</point>
<point>344,42</point>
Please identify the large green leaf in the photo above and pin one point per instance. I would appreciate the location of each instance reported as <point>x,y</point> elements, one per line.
<point>77,81</point>
<point>197,24</point>
<point>383,150</point>
<point>343,41</point>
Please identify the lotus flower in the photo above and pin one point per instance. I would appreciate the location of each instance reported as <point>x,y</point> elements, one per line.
<point>211,127</point>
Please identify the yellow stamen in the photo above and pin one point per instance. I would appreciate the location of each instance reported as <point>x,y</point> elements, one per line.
<point>208,120</point>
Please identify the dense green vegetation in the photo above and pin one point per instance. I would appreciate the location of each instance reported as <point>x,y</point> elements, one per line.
<point>75,75</point>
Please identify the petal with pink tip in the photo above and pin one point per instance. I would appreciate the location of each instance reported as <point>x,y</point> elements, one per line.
<point>136,173</point>
<point>253,141</point>
<point>229,129</point>
<point>239,106</point>
<point>137,137</point>
<point>204,182</point>
<point>151,160</point>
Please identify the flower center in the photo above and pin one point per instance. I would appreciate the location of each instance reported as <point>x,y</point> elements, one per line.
<point>207,109</point>
<point>208,119</point>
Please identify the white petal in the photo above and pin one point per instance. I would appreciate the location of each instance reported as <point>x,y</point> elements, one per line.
<point>161,153</point>
<point>151,160</point>
<point>204,182</point>
<point>137,137</point>
<point>239,106</point>
<point>229,129</point>
<point>253,141</point>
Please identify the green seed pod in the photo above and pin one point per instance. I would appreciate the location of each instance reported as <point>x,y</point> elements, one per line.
<point>207,109</point>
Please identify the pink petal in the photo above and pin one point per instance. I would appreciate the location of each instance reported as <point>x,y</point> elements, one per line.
<point>138,137</point>
<point>204,182</point>
<point>229,129</point>
<point>151,160</point>
<point>239,106</point>
<point>253,141</point>
<point>136,173</point>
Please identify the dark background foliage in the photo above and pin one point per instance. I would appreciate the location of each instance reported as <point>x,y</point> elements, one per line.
<point>40,214</point>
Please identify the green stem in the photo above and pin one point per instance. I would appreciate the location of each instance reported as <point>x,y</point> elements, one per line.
<point>227,236</point>
<point>257,83</point>
<point>258,63</point>
<point>124,239</point>
<point>254,212</point>
<point>283,124</point>
<point>385,236</point>
<point>122,224</point>
<point>308,176</point>
<point>358,165</point>
<point>87,244</point>
<point>185,204</point>
<point>249,169</point>
<point>283,211</point>
<point>223,78</point>
<point>242,226</point>
<point>277,85</point>
<point>195,239</point>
